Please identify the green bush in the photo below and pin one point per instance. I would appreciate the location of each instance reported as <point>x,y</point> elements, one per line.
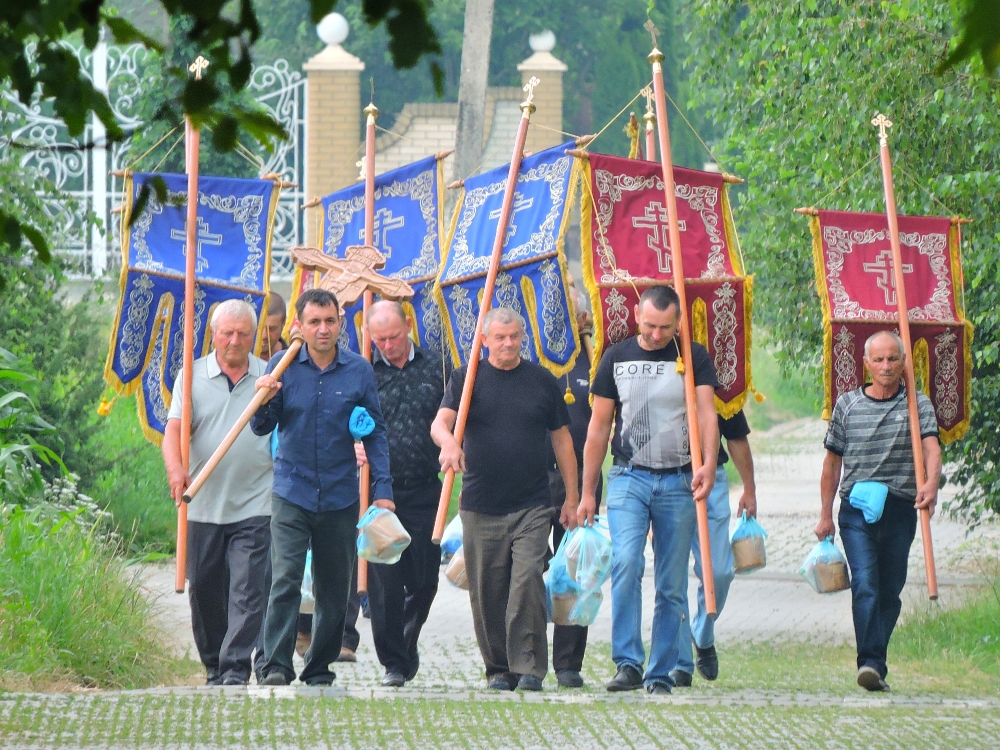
<point>69,609</point>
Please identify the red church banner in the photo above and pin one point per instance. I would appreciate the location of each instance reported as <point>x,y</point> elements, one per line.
<point>626,250</point>
<point>857,290</point>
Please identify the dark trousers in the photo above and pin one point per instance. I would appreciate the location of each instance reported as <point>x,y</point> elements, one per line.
<point>877,553</point>
<point>400,595</point>
<point>229,577</point>
<point>351,635</point>
<point>332,535</point>
<point>569,642</point>
<point>504,558</point>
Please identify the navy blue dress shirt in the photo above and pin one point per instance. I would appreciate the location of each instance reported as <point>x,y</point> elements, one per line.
<point>315,467</point>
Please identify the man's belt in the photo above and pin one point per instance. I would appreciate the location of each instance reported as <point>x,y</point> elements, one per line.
<point>685,469</point>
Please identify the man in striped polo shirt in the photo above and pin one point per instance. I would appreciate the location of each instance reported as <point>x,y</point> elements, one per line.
<point>869,437</point>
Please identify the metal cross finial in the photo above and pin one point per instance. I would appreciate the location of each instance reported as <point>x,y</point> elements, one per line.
<point>648,93</point>
<point>651,28</point>
<point>199,65</point>
<point>882,122</point>
<point>361,164</point>
<point>529,87</point>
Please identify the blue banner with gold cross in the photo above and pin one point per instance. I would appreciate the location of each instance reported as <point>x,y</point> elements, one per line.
<point>235,222</point>
<point>533,272</point>
<point>407,231</point>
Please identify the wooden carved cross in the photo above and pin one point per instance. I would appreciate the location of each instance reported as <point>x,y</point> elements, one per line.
<point>349,277</point>
<point>882,122</point>
<point>651,28</point>
<point>198,66</point>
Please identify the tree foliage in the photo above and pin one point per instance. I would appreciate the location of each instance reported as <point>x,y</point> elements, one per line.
<point>792,87</point>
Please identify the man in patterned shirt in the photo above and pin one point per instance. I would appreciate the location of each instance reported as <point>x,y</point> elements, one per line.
<point>869,437</point>
<point>410,387</point>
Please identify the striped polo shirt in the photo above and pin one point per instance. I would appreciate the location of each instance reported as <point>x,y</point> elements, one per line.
<point>872,436</point>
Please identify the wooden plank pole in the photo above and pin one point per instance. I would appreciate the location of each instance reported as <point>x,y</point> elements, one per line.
<point>371,112</point>
<point>694,433</point>
<point>527,108</point>
<point>242,421</point>
<point>882,123</point>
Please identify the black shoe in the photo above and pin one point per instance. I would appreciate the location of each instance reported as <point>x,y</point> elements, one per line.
<point>393,679</point>
<point>499,682</point>
<point>680,678</point>
<point>627,678</point>
<point>275,678</point>
<point>529,682</point>
<point>658,688</point>
<point>707,663</point>
<point>568,678</point>
<point>871,680</point>
<point>236,680</point>
<point>325,681</point>
<point>416,667</point>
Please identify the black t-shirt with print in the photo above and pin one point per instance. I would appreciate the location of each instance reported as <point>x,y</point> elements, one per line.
<point>507,435</point>
<point>650,414</point>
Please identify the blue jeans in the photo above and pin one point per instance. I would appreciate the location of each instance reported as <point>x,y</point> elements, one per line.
<point>636,499</point>
<point>701,626</point>
<point>877,554</point>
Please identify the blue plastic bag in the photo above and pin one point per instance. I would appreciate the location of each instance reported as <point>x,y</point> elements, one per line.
<point>826,568</point>
<point>747,542</point>
<point>869,498</point>
<point>308,603</point>
<point>588,555</point>
<point>382,538</point>
<point>451,540</point>
<point>361,423</point>
<point>587,606</point>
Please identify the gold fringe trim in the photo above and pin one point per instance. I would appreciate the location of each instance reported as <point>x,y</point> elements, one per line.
<point>957,274</point>
<point>922,366</point>
<point>632,130</point>
<point>699,321</point>
<point>958,431</point>
<point>732,239</point>
<point>449,333</point>
<point>824,301</point>
<point>587,263</point>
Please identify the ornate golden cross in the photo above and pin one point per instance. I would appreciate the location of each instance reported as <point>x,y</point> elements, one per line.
<point>360,164</point>
<point>648,93</point>
<point>199,65</point>
<point>530,88</point>
<point>651,28</point>
<point>882,122</point>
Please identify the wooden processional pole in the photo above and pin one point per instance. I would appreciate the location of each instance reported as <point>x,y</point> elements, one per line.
<point>192,145</point>
<point>883,123</point>
<point>527,108</point>
<point>371,112</point>
<point>694,433</point>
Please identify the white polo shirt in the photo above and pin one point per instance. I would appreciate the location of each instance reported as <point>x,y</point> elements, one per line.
<point>240,486</point>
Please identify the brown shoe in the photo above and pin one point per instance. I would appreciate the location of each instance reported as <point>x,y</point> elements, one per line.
<point>302,643</point>
<point>347,654</point>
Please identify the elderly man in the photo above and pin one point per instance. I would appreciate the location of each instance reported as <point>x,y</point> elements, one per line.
<point>410,387</point>
<point>228,522</point>
<point>639,390</point>
<point>315,498</point>
<point>869,439</point>
<point>516,406</point>
<point>700,629</point>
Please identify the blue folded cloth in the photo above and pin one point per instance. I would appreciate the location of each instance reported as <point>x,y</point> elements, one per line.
<point>361,423</point>
<point>869,498</point>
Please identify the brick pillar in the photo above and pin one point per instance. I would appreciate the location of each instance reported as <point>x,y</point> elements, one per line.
<point>549,93</point>
<point>333,119</point>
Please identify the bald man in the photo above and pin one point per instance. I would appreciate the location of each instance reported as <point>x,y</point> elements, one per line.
<point>410,388</point>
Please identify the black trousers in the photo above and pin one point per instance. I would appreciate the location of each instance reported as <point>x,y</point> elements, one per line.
<point>229,578</point>
<point>332,535</point>
<point>400,595</point>
<point>569,642</point>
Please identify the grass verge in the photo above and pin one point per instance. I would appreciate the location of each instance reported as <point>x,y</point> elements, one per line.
<point>70,614</point>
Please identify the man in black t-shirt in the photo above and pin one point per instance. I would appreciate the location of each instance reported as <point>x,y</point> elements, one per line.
<point>639,389</point>
<point>516,406</point>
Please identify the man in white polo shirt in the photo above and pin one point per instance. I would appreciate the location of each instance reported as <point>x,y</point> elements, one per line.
<point>229,537</point>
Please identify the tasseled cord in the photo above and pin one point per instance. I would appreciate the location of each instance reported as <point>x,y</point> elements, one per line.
<point>106,405</point>
<point>680,359</point>
<point>568,396</point>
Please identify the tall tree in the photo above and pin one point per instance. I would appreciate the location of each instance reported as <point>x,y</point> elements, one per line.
<point>472,86</point>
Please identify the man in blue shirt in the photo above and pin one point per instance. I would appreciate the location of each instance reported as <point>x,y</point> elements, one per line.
<point>315,496</point>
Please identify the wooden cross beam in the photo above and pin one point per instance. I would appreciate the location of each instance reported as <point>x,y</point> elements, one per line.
<point>350,276</point>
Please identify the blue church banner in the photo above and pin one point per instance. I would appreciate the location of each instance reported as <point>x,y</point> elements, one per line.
<point>407,231</point>
<point>235,219</point>
<point>533,271</point>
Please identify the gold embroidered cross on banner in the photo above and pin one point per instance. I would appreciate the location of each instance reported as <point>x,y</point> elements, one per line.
<point>198,66</point>
<point>882,122</point>
<point>651,28</point>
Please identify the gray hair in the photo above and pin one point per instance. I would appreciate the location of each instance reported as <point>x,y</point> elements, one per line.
<point>235,308</point>
<point>502,315</point>
<point>891,334</point>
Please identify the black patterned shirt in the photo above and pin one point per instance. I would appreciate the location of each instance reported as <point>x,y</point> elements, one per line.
<point>410,397</point>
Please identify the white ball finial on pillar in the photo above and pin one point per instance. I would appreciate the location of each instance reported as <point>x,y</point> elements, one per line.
<point>333,29</point>
<point>543,42</point>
